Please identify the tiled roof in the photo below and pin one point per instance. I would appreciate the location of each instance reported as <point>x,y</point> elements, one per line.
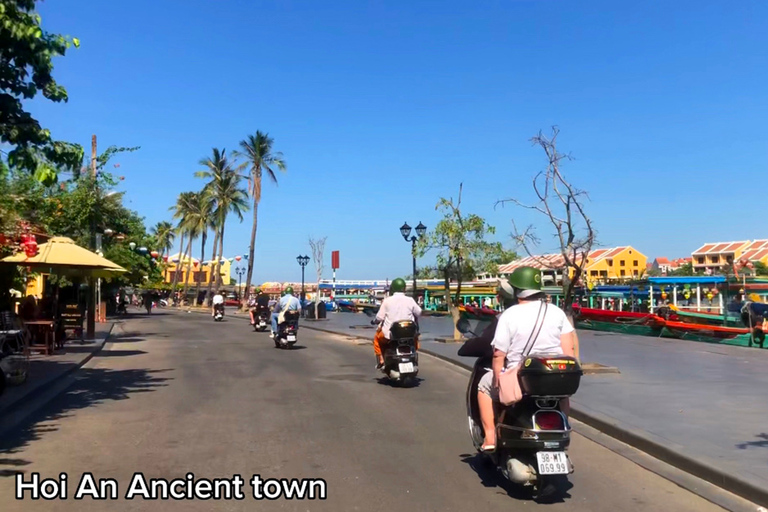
<point>720,247</point>
<point>544,262</point>
<point>663,261</point>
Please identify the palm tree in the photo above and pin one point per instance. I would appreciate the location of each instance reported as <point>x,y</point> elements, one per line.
<point>196,223</point>
<point>259,156</point>
<point>164,235</point>
<point>227,196</point>
<point>180,211</point>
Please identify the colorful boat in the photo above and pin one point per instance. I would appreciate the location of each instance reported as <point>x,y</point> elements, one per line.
<point>623,322</point>
<point>699,317</point>
<point>738,336</point>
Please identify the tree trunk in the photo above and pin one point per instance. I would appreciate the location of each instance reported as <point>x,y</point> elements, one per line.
<point>251,249</point>
<point>221,254</point>
<point>202,259</point>
<point>178,265</point>
<point>189,267</point>
<point>207,300</point>
<point>452,309</point>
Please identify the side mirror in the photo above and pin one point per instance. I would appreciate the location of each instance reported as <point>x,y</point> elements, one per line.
<point>463,326</point>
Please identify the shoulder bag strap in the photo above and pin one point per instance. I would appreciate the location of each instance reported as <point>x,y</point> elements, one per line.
<point>537,327</point>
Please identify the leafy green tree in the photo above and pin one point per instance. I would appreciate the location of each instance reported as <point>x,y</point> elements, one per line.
<point>164,234</point>
<point>683,270</point>
<point>26,65</point>
<point>760,268</point>
<point>460,240</point>
<point>225,188</point>
<point>181,210</point>
<point>260,159</point>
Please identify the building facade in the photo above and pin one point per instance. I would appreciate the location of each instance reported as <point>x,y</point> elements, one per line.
<point>197,272</point>
<point>712,258</point>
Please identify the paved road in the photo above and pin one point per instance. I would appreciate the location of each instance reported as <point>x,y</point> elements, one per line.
<point>176,393</point>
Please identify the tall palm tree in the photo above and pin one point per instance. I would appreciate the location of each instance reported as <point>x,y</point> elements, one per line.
<point>180,211</point>
<point>260,158</point>
<point>196,223</point>
<point>227,196</point>
<point>164,234</point>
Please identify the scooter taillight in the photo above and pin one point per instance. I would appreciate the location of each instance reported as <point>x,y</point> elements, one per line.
<point>549,420</point>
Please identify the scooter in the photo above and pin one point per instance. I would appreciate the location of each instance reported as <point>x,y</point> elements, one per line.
<point>532,435</point>
<point>261,319</point>
<point>401,360</point>
<point>287,332</point>
<point>218,312</point>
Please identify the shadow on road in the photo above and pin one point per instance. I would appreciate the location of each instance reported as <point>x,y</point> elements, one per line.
<point>386,381</point>
<point>93,387</point>
<point>763,443</point>
<point>491,477</point>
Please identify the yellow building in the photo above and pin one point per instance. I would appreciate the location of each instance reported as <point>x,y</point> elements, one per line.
<point>618,263</point>
<point>178,263</point>
<point>712,257</point>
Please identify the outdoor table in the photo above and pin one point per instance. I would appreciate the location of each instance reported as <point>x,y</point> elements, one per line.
<point>45,329</point>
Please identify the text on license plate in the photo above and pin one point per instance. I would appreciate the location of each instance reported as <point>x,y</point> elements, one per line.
<point>291,337</point>
<point>552,463</point>
<point>406,367</point>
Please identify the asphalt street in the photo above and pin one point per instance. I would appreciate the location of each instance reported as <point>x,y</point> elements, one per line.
<point>176,393</point>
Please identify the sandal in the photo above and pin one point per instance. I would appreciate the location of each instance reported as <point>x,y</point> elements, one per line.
<point>488,448</point>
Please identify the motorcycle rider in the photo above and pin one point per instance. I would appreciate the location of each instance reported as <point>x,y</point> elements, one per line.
<point>217,302</point>
<point>395,308</point>
<point>257,302</point>
<point>515,327</point>
<point>286,303</point>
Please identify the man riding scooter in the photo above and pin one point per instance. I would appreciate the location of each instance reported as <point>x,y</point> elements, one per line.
<point>395,308</point>
<point>217,304</point>
<point>287,303</point>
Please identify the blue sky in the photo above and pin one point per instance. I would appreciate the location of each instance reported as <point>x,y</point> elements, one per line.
<point>381,107</point>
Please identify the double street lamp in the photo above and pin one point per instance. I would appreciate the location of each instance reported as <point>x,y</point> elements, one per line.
<point>421,230</point>
<point>240,271</point>
<point>303,261</point>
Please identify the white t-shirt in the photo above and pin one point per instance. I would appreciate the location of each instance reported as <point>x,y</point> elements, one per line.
<point>517,323</point>
<point>218,299</point>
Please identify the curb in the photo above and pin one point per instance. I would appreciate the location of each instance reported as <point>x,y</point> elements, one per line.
<point>42,387</point>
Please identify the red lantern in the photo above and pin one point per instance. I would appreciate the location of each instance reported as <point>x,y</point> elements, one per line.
<point>154,254</point>
<point>238,258</point>
<point>30,245</point>
<point>165,259</point>
<point>195,264</point>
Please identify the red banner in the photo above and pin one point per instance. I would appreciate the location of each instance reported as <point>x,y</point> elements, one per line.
<point>335,260</point>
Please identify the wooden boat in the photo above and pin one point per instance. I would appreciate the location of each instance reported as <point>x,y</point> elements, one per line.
<point>623,322</point>
<point>739,336</point>
<point>704,318</point>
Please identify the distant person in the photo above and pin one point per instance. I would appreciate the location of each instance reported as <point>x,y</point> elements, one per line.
<point>287,303</point>
<point>395,308</point>
<point>217,303</point>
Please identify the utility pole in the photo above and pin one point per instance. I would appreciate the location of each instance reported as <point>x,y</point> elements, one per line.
<point>91,318</point>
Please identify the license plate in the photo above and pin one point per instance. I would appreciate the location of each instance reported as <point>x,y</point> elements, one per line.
<point>406,367</point>
<point>552,463</point>
<point>291,337</point>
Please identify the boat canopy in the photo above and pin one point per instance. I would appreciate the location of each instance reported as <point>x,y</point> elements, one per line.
<point>687,280</point>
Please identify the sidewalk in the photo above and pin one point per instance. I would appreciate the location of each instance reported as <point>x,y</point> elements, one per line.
<point>45,370</point>
<point>698,406</point>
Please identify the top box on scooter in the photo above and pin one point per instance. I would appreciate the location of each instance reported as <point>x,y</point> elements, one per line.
<point>557,376</point>
<point>403,329</point>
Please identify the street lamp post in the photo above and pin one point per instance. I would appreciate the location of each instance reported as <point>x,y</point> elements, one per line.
<point>421,230</point>
<point>240,271</point>
<point>303,261</point>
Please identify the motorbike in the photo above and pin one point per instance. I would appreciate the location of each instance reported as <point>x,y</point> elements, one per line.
<point>261,317</point>
<point>287,331</point>
<point>401,359</point>
<point>162,303</point>
<point>532,435</point>
<point>218,312</point>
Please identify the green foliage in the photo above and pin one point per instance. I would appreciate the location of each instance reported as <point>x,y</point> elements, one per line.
<point>684,270</point>
<point>26,65</point>
<point>761,269</point>
<point>461,242</point>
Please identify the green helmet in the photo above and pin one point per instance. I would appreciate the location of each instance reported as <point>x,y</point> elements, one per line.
<point>257,291</point>
<point>289,290</point>
<point>398,285</point>
<point>527,280</point>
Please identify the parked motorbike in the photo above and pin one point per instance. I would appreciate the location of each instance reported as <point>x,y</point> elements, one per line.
<point>401,360</point>
<point>261,319</point>
<point>218,312</point>
<point>287,331</point>
<point>532,435</point>
<point>162,303</point>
